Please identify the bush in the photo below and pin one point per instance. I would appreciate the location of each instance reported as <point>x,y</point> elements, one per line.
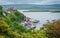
<point>53,29</point>
<point>4,28</point>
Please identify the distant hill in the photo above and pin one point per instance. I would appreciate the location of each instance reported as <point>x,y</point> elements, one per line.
<point>33,6</point>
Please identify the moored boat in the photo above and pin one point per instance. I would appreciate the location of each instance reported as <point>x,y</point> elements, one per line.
<point>35,21</point>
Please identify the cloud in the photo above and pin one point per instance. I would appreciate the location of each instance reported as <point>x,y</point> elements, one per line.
<point>4,2</point>
<point>41,2</point>
<point>50,2</point>
<point>47,2</point>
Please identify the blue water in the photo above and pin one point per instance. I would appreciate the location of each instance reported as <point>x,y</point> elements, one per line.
<point>42,17</point>
<point>33,7</point>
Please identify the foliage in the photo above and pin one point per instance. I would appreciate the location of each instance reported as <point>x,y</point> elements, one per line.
<point>10,24</point>
<point>3,27</point>
<point>1,11</point>
<point>19,16</point>
<point>53,29</point>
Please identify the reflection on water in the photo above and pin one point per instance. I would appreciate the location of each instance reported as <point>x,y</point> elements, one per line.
<point>42,16</point>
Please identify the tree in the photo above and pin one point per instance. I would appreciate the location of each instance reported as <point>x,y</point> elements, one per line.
<point>1,11</point>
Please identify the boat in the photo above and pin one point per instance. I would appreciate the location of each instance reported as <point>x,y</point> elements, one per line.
<point>35,21</point>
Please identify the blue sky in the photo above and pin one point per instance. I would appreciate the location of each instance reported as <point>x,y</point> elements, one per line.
<point>41,2</point>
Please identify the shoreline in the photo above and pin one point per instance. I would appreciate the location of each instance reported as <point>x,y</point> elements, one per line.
<point>53,11</point>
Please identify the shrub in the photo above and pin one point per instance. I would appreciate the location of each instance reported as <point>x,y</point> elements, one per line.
<point>53,29</point>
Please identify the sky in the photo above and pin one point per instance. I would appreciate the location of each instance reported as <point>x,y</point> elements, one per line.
<point>40,2</point>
